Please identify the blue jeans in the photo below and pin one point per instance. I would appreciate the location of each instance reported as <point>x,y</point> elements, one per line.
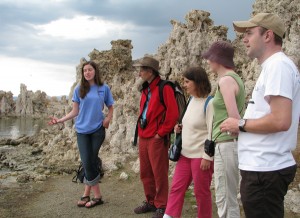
<point>89,146</point>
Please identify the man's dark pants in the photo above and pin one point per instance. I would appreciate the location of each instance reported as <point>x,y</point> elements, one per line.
<point>262,193</point>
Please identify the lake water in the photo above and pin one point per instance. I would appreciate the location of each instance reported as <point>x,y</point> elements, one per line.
<point>15,127</point>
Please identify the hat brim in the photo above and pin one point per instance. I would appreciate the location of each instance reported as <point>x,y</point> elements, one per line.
<point>241,26</point>
<point>143,65</point>
<point>137,65</point>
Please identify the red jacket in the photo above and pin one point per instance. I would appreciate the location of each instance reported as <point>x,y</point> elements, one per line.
<point>160,120</point>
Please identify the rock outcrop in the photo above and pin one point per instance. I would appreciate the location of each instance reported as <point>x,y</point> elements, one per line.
<point>186,43</point>
<point>182,49</point>
<point>6,103</point>
<point>31,104</point>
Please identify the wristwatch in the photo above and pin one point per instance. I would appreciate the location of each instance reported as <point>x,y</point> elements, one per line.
<point>242,124</point>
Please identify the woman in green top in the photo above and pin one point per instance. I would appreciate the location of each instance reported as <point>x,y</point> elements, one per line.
<point>229,101</point>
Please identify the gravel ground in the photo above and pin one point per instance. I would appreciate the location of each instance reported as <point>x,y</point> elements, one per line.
<point>57,197</point>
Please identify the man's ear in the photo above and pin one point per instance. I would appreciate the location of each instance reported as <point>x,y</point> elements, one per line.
<point>269,35</point>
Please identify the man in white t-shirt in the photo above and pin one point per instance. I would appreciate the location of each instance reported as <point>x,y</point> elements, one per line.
<point>268,131</point>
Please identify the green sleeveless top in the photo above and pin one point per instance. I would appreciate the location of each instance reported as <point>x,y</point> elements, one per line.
<point>220,112</point>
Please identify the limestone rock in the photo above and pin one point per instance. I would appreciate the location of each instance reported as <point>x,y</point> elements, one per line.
<point>23,178</point>
<point>6,103</point>
<point>136,166</point>
<point>292,200</point>
<point>40,178</point>
<point>187,42</point>
<point>31,103</point>
<point>124,176</point>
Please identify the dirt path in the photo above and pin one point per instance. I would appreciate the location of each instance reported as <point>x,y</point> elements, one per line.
<point>57,197</point>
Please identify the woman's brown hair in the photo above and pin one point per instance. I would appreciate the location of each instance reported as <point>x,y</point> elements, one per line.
<point>199,76</point>
<point>84,84</point>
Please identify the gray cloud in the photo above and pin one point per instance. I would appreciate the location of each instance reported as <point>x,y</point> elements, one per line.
<point>151,19</point>
<point>150,25</point>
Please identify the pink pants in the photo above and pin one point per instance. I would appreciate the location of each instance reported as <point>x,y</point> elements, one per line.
<point>188,169</point>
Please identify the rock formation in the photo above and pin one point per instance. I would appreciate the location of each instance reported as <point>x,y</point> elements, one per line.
<point>6,103</point>
<point>182,49</point>
<point>28,103</point>
<point>186,43</point>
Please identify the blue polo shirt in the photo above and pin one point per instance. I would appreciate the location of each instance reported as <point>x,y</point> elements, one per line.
<point>91,107</point>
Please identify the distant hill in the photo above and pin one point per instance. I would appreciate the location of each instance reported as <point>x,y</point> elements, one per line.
<point>58,97</point>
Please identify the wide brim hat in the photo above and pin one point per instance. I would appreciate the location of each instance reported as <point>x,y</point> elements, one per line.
<point>265,20</point>
<point>148,62</point>
<point>222,53</point>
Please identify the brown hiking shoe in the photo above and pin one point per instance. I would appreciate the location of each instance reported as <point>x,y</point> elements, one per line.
<point>159,213</point>
<point>145,208</point>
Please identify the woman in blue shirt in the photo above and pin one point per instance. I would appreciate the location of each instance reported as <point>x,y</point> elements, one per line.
<point>88,102</point>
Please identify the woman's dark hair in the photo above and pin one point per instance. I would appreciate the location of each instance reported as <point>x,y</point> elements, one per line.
<point>84,84</point>
<point>199,76</point>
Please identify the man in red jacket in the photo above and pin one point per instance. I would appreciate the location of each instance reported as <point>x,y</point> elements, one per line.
<point>155,122</point>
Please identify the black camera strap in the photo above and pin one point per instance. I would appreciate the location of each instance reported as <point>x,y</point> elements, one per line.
<point>136,132</point>
<point>140,116</point>
<point>216,136</point>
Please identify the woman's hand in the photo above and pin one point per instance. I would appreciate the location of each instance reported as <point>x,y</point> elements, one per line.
<point>108,118</point>
<point>205,164</point>
<point>53,121</point>
<point>106,122</point>
<point>178,128</point>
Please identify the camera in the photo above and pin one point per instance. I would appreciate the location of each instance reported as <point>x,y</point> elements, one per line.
<point>143,123</point>
<point>209,147</point>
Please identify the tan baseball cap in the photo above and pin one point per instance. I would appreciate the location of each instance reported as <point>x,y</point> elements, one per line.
<point>266,20</point>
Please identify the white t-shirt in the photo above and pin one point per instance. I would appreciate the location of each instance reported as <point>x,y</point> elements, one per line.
<point>270,152</point>
<point>197,127</point>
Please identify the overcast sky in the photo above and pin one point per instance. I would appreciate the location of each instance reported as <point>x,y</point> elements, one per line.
<point>42,41</point>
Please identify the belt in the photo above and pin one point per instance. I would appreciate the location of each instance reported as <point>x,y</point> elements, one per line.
<point>228,140</point>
